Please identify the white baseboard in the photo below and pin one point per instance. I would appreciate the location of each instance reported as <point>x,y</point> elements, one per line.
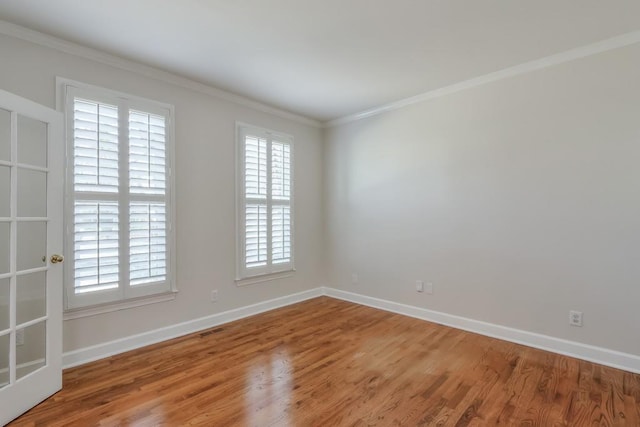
<point>100,351</point>
<point>603,356</point>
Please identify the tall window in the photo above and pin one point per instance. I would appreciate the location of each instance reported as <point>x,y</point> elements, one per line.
<point>265,202</point>
<point>118,197</point>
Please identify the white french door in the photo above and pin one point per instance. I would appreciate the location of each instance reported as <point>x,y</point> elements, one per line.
<point>31,163</point>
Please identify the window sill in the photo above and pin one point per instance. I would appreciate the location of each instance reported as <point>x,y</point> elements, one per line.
<point>78,313</point>
<point>265,278</point>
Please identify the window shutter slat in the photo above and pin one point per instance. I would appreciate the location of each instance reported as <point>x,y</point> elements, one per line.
<point>280,171</point>
<point>147,243</point>
<point>255,167</point>
<point>256,235</point>
<point>281,234</point>
<point>95,138</point>
<point>96,246</point>
<point>147,153</point>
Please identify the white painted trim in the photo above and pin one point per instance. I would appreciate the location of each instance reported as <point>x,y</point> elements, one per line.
<point>42,39</point>
<point>66,91</point>
<point>270,271</point>
<point>590,353</point>
<point>108,95</point>
<point>100,351</point>
<point>117,306</point>
<point>265,278</point>
<point>527,67</point>
<point>603,356</point>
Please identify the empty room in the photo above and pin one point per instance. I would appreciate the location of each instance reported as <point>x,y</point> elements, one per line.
<point>319,213</point>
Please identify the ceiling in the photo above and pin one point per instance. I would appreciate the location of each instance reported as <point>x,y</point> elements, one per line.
<point>325,59</point>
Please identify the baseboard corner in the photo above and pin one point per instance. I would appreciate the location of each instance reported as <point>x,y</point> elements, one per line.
<point>84,355</point>
<point>603,356</point>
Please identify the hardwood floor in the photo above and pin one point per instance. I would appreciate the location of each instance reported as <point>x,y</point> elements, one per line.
<point>326,362</point>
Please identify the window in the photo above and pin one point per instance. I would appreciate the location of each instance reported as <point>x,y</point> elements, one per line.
<point>265,202</point>
<point>118,221</point>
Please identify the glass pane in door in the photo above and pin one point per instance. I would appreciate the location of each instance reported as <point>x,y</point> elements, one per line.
<point>5,234</point>
<point>31,354</point>
<point>4,304</point>
<point>32,245</point>
<point>5,135</point>
<point>5,191</point>
<point>32,193</point>
<point>4,360</point>
<point>31,297</point>
<point>32,142</point>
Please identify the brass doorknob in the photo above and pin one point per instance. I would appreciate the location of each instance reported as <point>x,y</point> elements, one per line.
<point>56,259</point>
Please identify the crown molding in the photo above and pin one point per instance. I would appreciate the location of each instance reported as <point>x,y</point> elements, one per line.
<point>527,67</point>
<point>46,40</point>
<point>26,34</point>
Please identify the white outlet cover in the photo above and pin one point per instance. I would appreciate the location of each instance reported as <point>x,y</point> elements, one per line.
<point>419,286</point>
<point>354,278</point>
<point>428,288</point>
<point>575,318</point>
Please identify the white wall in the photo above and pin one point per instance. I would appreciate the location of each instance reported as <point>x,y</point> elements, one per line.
<point>205,132</point>
<point>519,200</point>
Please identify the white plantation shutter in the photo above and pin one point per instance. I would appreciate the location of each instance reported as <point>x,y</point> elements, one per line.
<point>147,243</point>
<point>95,146</point>
<point>255,168</point>
<point>265,202</point>
<point>95,239</point>
<point>255,189</point>
<point>147,155</point>
<point>256,235</point>
<point>281,194</point>
<point>281,170</point>
<point>281,234</point>
<point>120,204</point>
<point>147,176</point>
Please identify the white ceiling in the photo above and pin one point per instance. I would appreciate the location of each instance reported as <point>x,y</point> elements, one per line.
<point>328,58</point>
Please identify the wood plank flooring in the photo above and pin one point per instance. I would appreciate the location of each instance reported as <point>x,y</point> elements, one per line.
<point>326,362</point>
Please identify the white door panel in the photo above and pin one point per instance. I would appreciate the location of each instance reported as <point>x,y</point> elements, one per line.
<point>31,163</point>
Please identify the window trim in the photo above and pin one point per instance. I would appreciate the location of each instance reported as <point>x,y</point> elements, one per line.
<point>139,296</point>
<point>272,271</point>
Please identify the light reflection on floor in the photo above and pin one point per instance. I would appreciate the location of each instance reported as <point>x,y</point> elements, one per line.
<point>269,387</point>
<point>147,414</point>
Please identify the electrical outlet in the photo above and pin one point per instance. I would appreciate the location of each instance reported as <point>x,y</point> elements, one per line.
<point>20,337</point>
<point>419,286</point>
<point>428,288</point>
<point>354,278</point>
<point>575,318</point>
<point>214,295</point>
